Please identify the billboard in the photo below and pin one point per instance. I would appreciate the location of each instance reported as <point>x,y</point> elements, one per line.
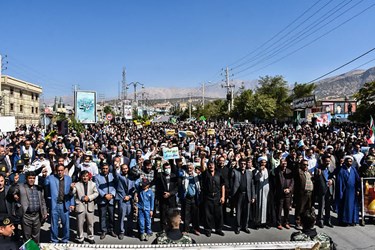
<point>304,102</point>
<point>85,106</point>
<point>7,124</point>
<point>128,112</point>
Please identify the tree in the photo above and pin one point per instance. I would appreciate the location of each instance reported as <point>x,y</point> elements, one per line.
<point>302,90</point>
<point>108,110</point>
<point>249,106</point>
<point>366,103</point>
<point>241,105</point>
<point>277,88</point>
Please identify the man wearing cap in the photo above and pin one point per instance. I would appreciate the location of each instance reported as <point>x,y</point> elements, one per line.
<point>31,198</point>
<point>6,232</point>
<point>88,164</point>
<point>347,193</point>
<point>42,162</point>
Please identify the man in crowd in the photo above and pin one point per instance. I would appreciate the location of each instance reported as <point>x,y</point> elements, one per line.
<point>85,192</point>
<point>304,188</point>
<point>323,188</point>
<point>347,193</point>
<point>124,196</point>
<point>31,198</point>
<point>284,184</point>
<point>213,192</point>
<point>106,184</point>
<point>243,192</point>
<point>166,190</point>
<point>62,203</point>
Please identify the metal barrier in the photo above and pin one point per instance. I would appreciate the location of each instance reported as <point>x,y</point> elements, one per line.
<point>223,246</point>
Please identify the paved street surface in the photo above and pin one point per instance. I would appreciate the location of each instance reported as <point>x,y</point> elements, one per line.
<point>351,238</point>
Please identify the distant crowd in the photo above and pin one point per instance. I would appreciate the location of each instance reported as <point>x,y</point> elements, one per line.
<point>248,176</point>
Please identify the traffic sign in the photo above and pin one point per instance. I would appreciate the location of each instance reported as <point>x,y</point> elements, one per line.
<point>109,117</point>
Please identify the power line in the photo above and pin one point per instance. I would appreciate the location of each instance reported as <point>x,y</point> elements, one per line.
<point>301,35</point>
<point>364,64</point>
<point>355,59</point>
<point>311,42</point>
<point>276,35</point>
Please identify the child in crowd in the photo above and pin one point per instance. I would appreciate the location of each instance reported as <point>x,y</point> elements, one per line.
<point>145,208</point>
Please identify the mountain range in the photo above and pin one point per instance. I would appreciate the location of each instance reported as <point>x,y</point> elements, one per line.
<point>337,86</point>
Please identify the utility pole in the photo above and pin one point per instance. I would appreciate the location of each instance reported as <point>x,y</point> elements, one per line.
<point>190,106</point>
<point>203,90</point>
<point>124,90</point>
<point>230,90</point>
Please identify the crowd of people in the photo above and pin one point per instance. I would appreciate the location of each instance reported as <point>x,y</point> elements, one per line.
<point>248,176</point>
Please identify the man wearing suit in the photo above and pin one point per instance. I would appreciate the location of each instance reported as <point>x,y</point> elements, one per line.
<point>324,191</point>
<point>166,189</point>
<point>106,184</point>
<point>85,193</point>
<point>284,184</point>
<point>243,192</point>
<point>31,198</point>
<point>123,158</point>
<point>62,202</point>
<point>124,196</point>
<point>5,204</point>
<point>304,188</point>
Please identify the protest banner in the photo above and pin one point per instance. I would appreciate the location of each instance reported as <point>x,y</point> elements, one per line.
<point>171,153</point>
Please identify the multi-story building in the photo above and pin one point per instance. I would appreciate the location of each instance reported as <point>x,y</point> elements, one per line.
<point>20,99</point>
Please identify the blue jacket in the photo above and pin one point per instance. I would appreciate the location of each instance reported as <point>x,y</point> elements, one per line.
<point>101,184</point>
<point>125,187</point>
<point>52,182</point>
<point>145,198</point>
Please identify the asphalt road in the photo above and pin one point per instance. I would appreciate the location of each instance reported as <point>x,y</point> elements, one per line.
<point>358,237</point>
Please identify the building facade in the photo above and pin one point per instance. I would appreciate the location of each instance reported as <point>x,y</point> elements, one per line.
<point>20,99</point>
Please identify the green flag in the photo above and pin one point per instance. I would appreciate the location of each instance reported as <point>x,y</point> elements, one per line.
<point>30,245</point>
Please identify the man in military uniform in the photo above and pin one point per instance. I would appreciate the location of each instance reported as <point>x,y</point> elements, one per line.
<point>6,232</point>
<point>309,232</point>
<point>173,235</point>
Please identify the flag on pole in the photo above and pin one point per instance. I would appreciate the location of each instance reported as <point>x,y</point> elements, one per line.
<point>372,131</point>
<point>30,245</point>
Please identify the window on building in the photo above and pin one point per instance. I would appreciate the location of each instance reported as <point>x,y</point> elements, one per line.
<point>11,91</point>
<point>11,107</point>
<point>21,108</point>
<point>36,97</point>
<point>32,96</point>
<point>36,110</point>
<point>32,110</point>
<point>21,93</point>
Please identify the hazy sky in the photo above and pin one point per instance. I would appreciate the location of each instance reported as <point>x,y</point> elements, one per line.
<point>165,43</point>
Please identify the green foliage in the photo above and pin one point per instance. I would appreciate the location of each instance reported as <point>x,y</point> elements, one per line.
<point>213,110</point>
<point>366,103</point>
<point>253,106</point>
<point>76,125</point>
<point>108,110</point>
<point>277,88</point>
<point>302,90</point>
